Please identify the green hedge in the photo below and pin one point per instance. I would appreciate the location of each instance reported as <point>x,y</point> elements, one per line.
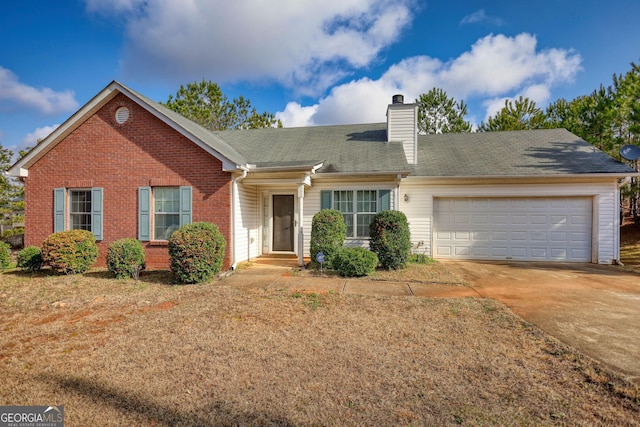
<point>125,258</point>
<point>30,258</point>
<point>328,232</point>
<point>390,239</point>
<point>196,252</point>
<point>5,255</point>
<point>70,252</point>
<point>354,262</point>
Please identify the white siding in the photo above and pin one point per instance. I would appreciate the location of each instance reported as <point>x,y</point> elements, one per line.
<point>312,206</point>
<point>402,126</point>
<point>246,223</point>
<point>419,209</point>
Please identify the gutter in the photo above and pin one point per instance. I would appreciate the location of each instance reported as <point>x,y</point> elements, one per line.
<point>234,196</point>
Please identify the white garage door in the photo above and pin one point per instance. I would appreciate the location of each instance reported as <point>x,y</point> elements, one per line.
<point>535,229</point>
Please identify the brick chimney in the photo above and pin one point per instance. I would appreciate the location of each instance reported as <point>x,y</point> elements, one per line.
<point>402,126</point>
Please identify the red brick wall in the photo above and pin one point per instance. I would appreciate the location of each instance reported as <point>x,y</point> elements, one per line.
<point>144,151</point>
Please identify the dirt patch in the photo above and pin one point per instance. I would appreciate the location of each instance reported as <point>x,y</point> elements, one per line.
<point>144,353</point>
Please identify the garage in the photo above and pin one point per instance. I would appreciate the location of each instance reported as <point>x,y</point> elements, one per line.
<point>526,229</point>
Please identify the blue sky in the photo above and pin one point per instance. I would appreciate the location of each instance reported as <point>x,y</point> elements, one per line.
<point>312,62</point>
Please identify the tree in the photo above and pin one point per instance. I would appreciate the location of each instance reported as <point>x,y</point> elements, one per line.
<point>437,113</point>
<point>11,192</point>
<point>205,104</point>
<point>522,114</point>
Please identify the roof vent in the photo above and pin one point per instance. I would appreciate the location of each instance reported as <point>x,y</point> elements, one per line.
<point>122,115</point>
<point>397,99</point>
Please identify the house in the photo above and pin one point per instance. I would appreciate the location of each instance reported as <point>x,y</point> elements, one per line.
<point>126,166</point>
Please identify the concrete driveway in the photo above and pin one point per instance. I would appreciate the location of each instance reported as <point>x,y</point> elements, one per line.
<point>594,308</point>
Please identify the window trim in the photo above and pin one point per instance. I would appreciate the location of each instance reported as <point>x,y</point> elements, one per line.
<point>62,209</point>
<point>382,199</point>
<point>146,210</point>
<point>88,212</point>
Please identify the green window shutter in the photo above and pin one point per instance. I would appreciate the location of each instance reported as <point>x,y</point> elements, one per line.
<point>59,211</point>
<point>325,199</point>
<point>96,212</point>
<point>384,200</point>
<point>144,214</point>
<point>185,205</point>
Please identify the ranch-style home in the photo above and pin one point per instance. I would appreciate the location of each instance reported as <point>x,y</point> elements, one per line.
<point>126,166</point>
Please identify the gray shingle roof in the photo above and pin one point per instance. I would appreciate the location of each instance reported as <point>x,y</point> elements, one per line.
<point>514,153</point>
<point>357,148</point>
<point>363,148</point>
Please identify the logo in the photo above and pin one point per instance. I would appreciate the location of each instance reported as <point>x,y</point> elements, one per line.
<point>31,416</point>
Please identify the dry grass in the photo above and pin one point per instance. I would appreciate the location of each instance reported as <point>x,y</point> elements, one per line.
<point>420,273</point>
<point>433,272</point>
<point>154,354</point>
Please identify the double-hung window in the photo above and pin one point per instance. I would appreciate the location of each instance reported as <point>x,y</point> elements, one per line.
<point>78,209</point>
<point>166,212</point>
<point>162,210</point>
<point>358,207</point>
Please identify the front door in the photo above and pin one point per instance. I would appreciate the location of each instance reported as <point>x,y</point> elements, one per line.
<point>283,226</point>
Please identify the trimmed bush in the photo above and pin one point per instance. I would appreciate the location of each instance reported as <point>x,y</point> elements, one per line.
<point>354,262</point>
<point>125,258</point>
<point>390,239</point>
<point>30,258</point>
<point>5,255</point>
<point>70,252</point>
<point>196,252</point>
<point>328,232</point>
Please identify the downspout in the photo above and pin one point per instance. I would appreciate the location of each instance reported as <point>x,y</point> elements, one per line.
<point>234,197</point>
<point>396,199</point>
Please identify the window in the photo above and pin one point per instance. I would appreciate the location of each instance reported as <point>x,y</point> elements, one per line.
<point>166,205</point>
<point>79,209</point>
<point>162,210</point>
<point>358,207</point>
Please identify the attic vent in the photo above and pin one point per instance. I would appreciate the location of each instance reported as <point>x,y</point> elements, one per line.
<point>122,115</point>
<point>397,99</point>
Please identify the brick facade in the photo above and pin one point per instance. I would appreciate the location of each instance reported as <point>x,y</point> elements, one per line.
<point>144,151</point>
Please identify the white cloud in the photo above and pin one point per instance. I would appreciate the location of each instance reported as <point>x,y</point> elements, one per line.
<point>295,115</point>
<point>31,139</point>
<point>480,16</point>
<point>14,94</point>
<point>496,68</point>
<point>303,45</point>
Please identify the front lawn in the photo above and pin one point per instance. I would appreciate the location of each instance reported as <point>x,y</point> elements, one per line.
<point>155,354</point>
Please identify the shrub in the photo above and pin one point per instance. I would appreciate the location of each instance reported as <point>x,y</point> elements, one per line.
<point>328,232</point>
<point>30,258</point>
<point>353,262</point>
<point>125,258</point>
<point>390,239</point>
<point>70,252</point>
<point>421,259</point>
<point>196,252</point>
<point>5,255</point>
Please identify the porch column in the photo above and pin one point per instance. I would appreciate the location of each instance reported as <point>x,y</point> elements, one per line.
<point>300,226</point>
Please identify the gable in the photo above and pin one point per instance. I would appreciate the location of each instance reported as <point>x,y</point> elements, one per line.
<point>199,136</point>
